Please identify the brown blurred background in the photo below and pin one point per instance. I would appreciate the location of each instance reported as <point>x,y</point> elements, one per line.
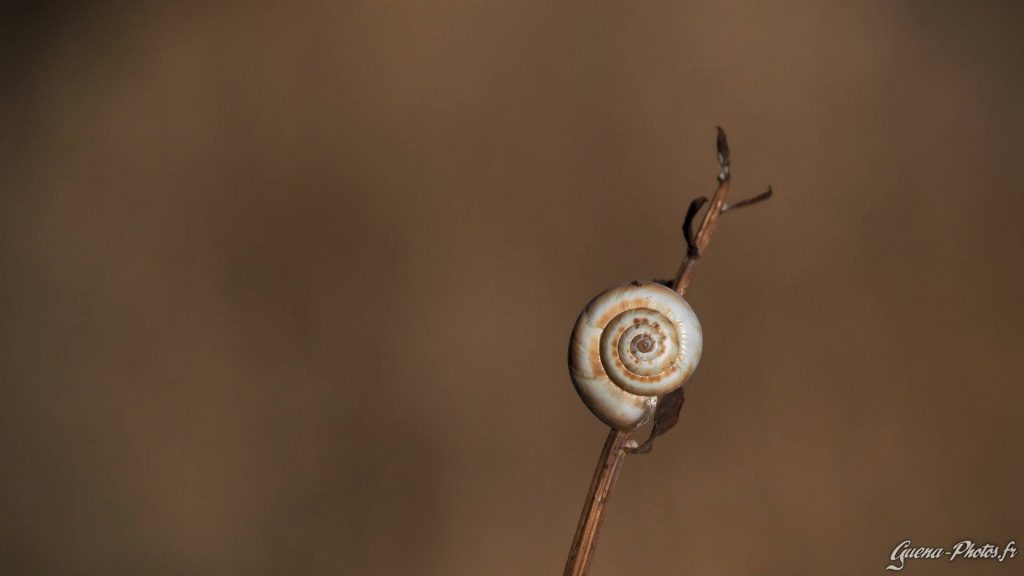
<point>289,290</point>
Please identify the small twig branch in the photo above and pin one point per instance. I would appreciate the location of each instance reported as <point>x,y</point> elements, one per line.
<point>618,443</point>
<point>696,247</point>
<point>753,200</point>
<point>593,510</point>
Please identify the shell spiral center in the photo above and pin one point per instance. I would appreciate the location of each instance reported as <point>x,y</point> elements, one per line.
<point>639,351</point>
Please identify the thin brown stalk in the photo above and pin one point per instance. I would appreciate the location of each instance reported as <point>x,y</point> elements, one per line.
<point>707,226</point>
<point>618,443</point>
<point>582,550</point>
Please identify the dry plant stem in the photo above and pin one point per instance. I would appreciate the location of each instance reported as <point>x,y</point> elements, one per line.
<point>615,446</point>
<point>614,451</point>
<point>582,550</point>
<point>707,227</point>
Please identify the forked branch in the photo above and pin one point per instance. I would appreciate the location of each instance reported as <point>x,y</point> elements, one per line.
<point>618,443</point>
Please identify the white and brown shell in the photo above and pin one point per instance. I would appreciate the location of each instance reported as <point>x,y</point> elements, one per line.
<point>631,345</point>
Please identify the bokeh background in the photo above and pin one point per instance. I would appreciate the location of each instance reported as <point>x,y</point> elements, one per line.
<point>287,289</point>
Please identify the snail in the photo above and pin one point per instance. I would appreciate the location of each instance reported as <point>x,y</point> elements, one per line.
<point>631,345</point>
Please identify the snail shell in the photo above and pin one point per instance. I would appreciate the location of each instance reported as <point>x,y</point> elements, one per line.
<point>631,345</point>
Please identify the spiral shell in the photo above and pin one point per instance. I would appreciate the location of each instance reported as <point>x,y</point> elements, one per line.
<point>631,345</point>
